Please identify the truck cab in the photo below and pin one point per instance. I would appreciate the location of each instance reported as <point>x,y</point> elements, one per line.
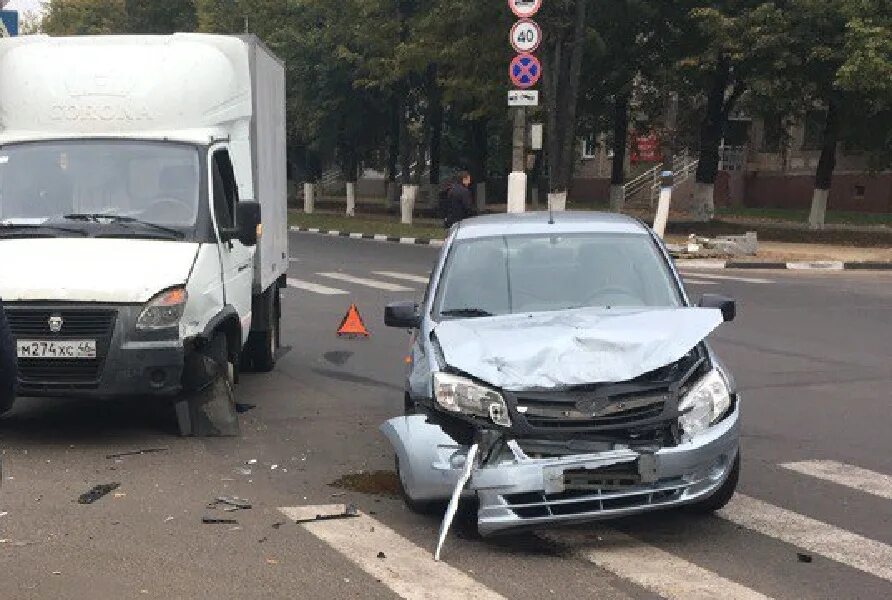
<point>142,210</point>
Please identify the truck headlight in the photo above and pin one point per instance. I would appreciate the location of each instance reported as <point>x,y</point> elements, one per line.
<point>164,310</point>
<point>704,405</point>
<point>459,395</point>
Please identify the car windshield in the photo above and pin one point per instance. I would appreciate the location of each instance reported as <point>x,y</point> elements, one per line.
<point>515,274</point>
<point>156,183</point>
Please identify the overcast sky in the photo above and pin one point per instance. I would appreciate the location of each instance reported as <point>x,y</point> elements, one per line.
<point>23,5</point>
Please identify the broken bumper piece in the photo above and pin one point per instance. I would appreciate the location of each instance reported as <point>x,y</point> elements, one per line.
<point>527,492</point>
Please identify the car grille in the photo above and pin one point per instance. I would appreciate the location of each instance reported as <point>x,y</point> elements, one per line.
<point>585,411</point>
<point>534,504</point>
<point>61,374</point>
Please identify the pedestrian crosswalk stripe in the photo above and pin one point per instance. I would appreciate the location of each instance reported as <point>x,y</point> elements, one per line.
<point>647,566</point>
<point>372,283</point>
<point>315,288</point>
<point>408,570</point>
<point>698,282</point>
<point>821,538</point>
<point>857,478</point>
<point>403,276</point>
<point>702,275</point>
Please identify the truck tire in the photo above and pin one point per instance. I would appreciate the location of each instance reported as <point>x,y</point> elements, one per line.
<point>207,408</point>
<point>264,345</point>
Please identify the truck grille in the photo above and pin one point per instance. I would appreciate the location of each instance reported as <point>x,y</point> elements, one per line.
<point>44,375</point>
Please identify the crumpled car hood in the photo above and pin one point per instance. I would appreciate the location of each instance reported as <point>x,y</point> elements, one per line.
<point>570,348</point>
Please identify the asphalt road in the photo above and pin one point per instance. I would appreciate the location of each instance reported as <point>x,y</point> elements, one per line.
<point>811,352</point>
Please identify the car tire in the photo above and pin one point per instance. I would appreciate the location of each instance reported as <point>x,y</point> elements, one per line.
<point>264,346</point>
<point>720,498</point>
<point>419,507</point>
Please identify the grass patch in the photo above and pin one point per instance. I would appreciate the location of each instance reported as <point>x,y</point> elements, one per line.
<point>372,224</point>
<point>838,217</point>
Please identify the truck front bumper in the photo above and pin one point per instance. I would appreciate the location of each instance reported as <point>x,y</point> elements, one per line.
<point>527,492</point>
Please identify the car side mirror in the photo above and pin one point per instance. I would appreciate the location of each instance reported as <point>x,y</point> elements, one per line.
<point>248,221</point>
<point>727,305</point>
<point>403,315</point>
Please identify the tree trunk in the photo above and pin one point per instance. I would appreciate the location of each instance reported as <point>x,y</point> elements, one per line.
<point>563,87</point>
<point>435,125</point>
<point>711,131</point>
<point>826,166</point>
<point>393,152</point>
<point>350,168</point>
<point>620,142</point>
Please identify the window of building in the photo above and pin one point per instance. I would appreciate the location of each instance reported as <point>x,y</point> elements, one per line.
<point>589,146</point>
<point>859,192</point>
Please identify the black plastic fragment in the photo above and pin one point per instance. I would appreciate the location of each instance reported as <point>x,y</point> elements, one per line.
<point>803,558</point>
<point>97,492</point>
<point>350,512</point>
<point>137,452</point>
<point>218,521</point>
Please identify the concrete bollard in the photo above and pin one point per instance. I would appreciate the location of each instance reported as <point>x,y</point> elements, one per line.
<point>407,203</point>
<point>351,199</point>
<point>557,201</point>
<point>309,197</point>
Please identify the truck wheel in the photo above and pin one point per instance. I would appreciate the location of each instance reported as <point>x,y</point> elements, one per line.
<point>265,344</point>
<point>208,404</point>
<point>721,496</point>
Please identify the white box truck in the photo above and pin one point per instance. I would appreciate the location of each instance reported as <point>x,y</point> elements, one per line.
<point>143,212</point>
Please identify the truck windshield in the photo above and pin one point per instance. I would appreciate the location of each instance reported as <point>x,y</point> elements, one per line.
<point>530,273</point>
<point>152,182</point>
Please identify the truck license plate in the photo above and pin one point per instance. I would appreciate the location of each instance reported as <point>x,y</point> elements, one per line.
<point>85,349</point>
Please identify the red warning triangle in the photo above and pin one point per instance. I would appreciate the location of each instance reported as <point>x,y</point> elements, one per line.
<point>352,323</point>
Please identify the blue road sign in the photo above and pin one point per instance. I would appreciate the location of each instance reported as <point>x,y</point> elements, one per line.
<point>9,23</point>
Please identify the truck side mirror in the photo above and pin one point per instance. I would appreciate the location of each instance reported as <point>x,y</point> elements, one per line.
<point>248,222</point>
<point>727,305</point>
<point>403,315</point>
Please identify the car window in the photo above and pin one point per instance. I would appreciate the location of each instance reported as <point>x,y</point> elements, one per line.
<point>511,274</point>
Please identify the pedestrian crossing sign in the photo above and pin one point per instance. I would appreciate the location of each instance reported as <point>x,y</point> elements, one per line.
<point>9,23</point>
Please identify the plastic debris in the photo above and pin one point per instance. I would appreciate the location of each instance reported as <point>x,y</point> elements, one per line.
<point>137,452</point>
<point>97,492</point>
<point>382,555</point>
<point>347,512</point>
<point>456,494</point>
<point>253,461</point>
<point>230,503</point>
<point>218,521</point>
<point>803,558</point>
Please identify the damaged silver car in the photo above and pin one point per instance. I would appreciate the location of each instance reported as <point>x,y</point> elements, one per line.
<point>559,373</point>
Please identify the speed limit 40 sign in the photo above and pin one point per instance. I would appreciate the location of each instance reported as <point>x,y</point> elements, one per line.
<point>526,36</point>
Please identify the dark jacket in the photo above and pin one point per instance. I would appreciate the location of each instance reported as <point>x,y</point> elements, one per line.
<point>7,361</point>
<point>461,204</point>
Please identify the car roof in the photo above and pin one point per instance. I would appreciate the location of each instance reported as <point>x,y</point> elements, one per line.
<point>532,223</point>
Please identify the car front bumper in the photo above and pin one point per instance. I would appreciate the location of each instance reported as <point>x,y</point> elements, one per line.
<point>528,492</point>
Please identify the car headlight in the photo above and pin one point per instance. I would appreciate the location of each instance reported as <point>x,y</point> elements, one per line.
<point>164,310</point>
<point>459,395</point>
<point>704,405</point>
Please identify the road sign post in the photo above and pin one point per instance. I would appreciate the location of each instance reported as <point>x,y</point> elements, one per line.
<point>524,71</point>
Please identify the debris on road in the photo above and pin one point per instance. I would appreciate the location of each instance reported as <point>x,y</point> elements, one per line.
<point>382,555</point>
<point>97,492</point>
<point>333,512</point>
<point>218,521</point>
<point>804,558</point>
<point>253,461</point>
<point>277,525</point>
<point>243,471</point>
<point>137,452</point>
<point>230,503</point>
<point>726,246</point>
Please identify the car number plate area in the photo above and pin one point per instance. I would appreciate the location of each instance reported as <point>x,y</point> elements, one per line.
<point>56,349</point>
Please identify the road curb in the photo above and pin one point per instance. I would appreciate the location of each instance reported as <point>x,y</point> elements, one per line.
<point>692,263</point>
<point>817,265</point>
<point>377,237</point>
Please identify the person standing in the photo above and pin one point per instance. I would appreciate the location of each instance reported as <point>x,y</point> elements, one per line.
<point>461,201</point>
<point>8,366</point>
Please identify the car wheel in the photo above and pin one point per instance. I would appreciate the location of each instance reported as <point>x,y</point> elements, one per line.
<point>721,496</point>
<point>420,507</point>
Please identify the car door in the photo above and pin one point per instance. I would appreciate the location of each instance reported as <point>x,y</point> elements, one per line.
<point>236,259</point>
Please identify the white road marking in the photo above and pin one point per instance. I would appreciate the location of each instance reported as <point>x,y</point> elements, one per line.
<point>820,538</point>
<point>857,478</point>
<point>315,288</point>
<point>730,278</point>
<point>372,283</point>
<point>698,281</point>
<point>649,567</point>
<point>403,276</point>
<point>408,570</point>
